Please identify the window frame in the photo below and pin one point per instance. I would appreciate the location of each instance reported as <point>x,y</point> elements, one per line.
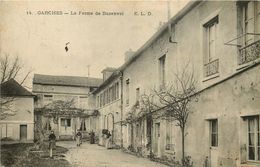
<point>211,59</point>
<point>215,133</point>
<point>169,132</point>
<point>162,70</point>
<point>256,133</point>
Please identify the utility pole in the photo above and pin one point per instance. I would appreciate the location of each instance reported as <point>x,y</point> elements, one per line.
<point>88,66</point>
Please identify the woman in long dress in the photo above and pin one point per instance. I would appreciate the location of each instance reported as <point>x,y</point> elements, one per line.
<point>109,141</point>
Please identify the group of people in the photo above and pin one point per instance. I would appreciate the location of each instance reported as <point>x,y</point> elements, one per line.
<point>78,137</point>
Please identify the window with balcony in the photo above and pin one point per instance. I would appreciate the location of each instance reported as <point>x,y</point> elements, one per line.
<point>211,61</point>
<point>250,30</point>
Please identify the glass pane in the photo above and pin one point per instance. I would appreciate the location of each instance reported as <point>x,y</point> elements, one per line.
<point>214,140</point>
<point>258,126</point>
<point>68,122</point>
<point>214,126</point>
<point>251,125</point>
<point>251,154</point>
<point>251,140</point>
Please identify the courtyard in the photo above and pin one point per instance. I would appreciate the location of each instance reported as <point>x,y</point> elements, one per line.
<point>92,155</point>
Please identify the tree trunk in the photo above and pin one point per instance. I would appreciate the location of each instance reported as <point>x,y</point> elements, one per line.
<point>132,134</point>
<point>183,144</point>
<point>150,135</point>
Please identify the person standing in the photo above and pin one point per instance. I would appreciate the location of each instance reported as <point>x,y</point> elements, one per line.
<point>109,140</point>
<point>78,138</point>
<point>92,137</point>
<point>52,142</point>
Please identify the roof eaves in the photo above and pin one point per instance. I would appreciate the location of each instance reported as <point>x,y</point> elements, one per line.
<point>65,84</point>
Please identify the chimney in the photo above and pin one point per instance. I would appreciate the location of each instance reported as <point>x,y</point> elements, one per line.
<point>107,72</point>
<point>128,54</point>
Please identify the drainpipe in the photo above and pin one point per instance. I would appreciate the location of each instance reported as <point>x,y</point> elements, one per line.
<point>121,107</point>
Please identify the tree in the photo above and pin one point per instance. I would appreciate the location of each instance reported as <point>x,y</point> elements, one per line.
<point>61,108</point>
<point>54,110</point>
<point>7,110</point>
<point>147,107</point>
<point>176,100</point>
<point>10,68</point>
<point>143,109</point>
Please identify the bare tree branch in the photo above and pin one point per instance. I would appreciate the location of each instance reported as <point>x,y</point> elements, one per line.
<point>10,67</point>
<point>6,106</point>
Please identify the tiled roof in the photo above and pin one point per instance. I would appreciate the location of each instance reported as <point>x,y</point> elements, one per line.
<point>66,80</point>
<point>13,88</point>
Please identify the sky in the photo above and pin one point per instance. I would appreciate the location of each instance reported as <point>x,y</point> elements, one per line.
<point>97,41</point>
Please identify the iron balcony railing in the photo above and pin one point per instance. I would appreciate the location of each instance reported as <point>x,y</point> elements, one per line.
<point>211,68</point>
<point>249,53</point>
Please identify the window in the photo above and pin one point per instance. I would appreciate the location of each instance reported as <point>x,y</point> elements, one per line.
<point>47,99</point>
<point>250,12</point>
<point>211,63</point>
<point>109,95</point>
<point>162,70</point>
<point>82,125</point>
<point>117,90</point>
<point>47,125</point>
<point>101,99</point>
<point>113,92</point>
<point>65,122</point>
<point>253,138</point>
<point>169,135</point>
<point>214,132</point>
<point>249,29</point>
<point>97,101</point>
<point>137,94</point>
<point>127,92</point>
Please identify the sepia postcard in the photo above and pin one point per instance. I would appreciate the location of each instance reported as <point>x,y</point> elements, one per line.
<point>130,83</point>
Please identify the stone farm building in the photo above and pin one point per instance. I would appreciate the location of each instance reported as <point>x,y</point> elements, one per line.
<point>64,104</point>
<point>17,115</point>
<point>219,43</point>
